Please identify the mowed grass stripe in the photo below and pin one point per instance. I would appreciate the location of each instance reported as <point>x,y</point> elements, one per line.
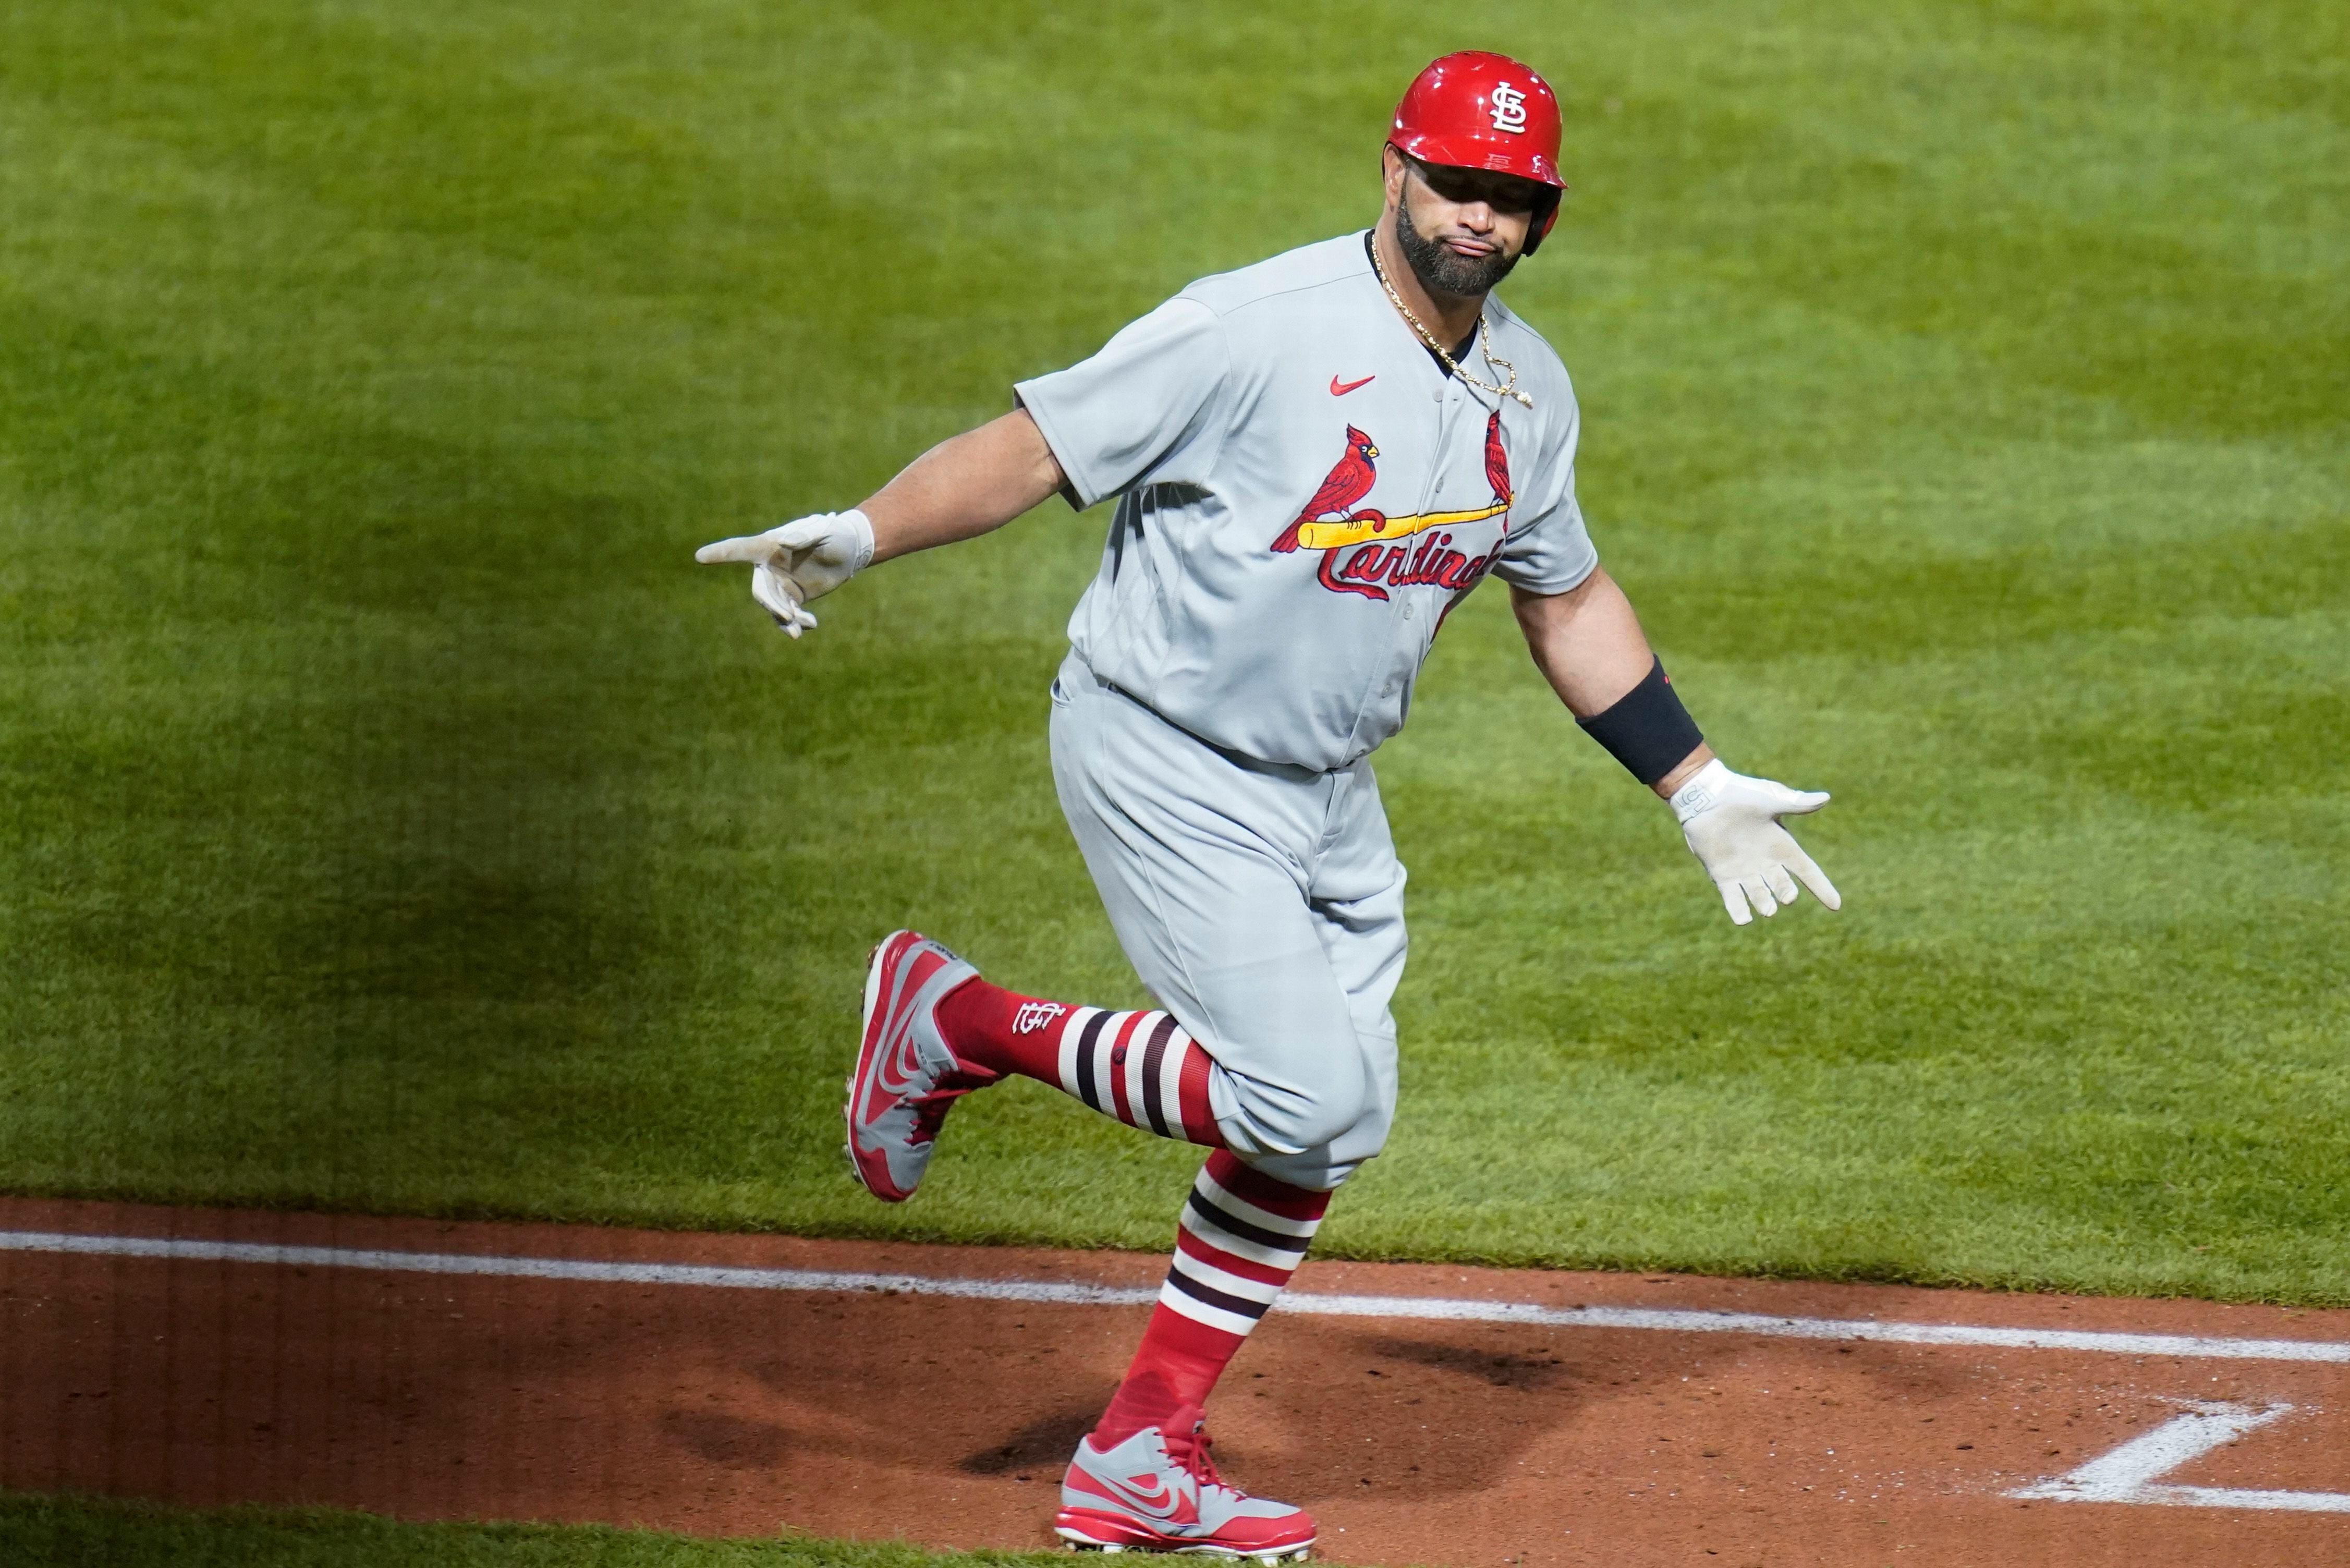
<point>394,819</point>
<point>66,1528</point>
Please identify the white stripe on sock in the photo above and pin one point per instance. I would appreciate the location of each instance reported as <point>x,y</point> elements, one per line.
<point>1198,1311</point>
<point>1180,1048</point>
<point>1223,1280</point>
<point>1137,1051</point>
<point>1241,1208</point>
<point>1224,1241</point>
<point>1105,1047</point>
<point>1073,1029</point>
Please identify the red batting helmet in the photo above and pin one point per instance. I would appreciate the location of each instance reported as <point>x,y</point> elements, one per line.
<point>1476,111</point>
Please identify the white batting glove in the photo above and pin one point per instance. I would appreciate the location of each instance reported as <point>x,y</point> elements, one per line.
<point>804,559</point>
<point>1731,823</point>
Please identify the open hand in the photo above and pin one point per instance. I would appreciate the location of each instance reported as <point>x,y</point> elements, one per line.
<point>1731,823</point>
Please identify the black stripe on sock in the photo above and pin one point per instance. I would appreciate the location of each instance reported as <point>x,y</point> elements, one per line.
<point>1154,1057</point>
<point>1087,1040</point>
<point>1191,1287</point>
<point>1246,1231</point>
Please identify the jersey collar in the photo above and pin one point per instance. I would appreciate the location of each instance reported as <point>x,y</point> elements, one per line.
<point>1460,351</point>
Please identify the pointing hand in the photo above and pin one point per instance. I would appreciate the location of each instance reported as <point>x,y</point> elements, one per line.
<point>800,561</point>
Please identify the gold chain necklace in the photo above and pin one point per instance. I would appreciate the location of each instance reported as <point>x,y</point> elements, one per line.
<point>1484,341</point>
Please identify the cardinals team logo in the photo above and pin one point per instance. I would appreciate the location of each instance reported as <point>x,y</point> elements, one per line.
<point>1361,547</point>
<point>1509,108</point>
<point>1035,1015</point>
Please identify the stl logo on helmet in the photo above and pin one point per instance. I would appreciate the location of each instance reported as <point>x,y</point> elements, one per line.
<point>1509,108</point>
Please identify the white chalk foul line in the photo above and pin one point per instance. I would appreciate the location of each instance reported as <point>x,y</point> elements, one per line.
<point>518,1268</point>
<point>1056,1294</point>
<point>2132,1472</point>
<point>1686,1322</point>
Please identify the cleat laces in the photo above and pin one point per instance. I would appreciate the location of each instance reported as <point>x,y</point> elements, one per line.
<point>1189,1450</point>
<point>931,1110</point>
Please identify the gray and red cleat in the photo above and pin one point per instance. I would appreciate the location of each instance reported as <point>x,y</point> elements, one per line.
<point>1159,1491</point>
<point>906,1078</point>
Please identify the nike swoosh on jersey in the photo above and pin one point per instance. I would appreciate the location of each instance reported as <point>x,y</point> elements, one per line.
<point>1337,390</point>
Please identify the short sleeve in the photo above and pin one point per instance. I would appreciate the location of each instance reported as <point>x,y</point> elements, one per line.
<point>1549,551</point>
<point>1147,408</point>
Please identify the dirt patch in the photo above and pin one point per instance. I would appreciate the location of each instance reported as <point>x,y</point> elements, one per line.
<point>946,1421</point>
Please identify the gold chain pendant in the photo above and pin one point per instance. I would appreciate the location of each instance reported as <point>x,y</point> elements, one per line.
<point>1484,341</point>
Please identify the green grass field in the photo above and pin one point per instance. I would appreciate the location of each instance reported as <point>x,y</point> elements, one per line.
<point>90,1533</point>
<point>393,818</point>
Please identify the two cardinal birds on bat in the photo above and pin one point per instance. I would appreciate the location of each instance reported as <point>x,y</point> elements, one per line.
<point>1356,471</point>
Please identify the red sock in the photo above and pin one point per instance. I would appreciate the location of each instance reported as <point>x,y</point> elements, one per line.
<point>1243,1235</point>
<point>1140,1067</point>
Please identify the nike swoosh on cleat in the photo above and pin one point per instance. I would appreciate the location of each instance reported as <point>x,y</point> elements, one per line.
<point>1160,1502</point>
<point>1338,391</point>
<point>894,1070</point>
<point>896,1058</point>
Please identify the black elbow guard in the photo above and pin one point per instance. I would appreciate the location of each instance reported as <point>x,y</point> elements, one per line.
<point>1647,730</point>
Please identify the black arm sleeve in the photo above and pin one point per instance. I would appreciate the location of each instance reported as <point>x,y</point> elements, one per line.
<point>1647,730</point>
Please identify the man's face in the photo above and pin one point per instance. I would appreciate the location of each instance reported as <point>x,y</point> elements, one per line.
<point>1461,228</point>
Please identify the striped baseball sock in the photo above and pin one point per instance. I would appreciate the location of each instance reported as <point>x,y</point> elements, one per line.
<point>1243,1234</point>
<point>1140,1067</point>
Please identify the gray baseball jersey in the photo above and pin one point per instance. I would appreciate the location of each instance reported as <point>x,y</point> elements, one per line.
<point>1303,496</point>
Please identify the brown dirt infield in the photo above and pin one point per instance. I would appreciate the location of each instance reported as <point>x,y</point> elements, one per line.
<point>945,1422</point>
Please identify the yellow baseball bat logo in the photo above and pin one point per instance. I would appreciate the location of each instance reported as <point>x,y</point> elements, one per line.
<point>1367,527</point>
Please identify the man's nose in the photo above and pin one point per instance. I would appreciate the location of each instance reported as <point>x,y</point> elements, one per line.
<point>1477,215</point>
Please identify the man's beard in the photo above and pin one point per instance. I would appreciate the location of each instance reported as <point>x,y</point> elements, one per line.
<point>1443,270</point>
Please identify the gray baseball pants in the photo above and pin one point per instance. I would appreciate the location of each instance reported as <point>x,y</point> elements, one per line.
<point>1263,905</point>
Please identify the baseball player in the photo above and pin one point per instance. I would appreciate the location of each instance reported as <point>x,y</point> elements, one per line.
<point>1314,459</point>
